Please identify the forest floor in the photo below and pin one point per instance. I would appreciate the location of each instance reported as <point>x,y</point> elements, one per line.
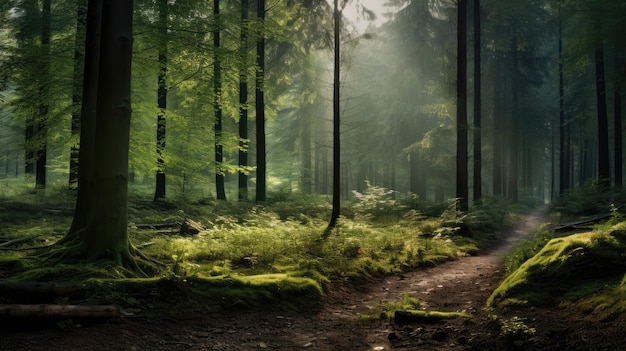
<point>460,285</point>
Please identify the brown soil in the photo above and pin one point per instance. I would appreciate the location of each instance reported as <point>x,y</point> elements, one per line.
<point>460,285</point>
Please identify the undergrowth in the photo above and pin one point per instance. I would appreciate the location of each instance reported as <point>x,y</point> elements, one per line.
<point>271,248</point>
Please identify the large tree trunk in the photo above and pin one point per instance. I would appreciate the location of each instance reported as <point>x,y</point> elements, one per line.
<point>107,229</point>
<point>243,102</point>
<point>461,114</point>
<point>217,80</point>
<point>159,191</point>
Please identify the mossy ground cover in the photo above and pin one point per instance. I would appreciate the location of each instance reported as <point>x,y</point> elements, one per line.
<point>247,254</point>
<point>585,270</point>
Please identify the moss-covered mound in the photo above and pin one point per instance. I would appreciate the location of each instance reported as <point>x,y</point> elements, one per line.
<point>567,268</point>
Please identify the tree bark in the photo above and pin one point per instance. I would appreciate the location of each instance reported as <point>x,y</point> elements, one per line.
<point>42,128</point>
<point>563,150</point>
<point>261,163</point>
<point>617,111</point>
<point>477,105</point>
<point>336,209</point>
<point>461,114</point>
<point>243,102</point>
<point>79,66</point>
<point>159,191</point>
<point>107,232</point>
<point>88,119</point>
<point>217,80</point>
<point>514,150</point>
<point>498,141</point>
<point>603,128</point>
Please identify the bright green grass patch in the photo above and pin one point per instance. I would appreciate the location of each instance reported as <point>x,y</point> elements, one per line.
<point>566,267</point>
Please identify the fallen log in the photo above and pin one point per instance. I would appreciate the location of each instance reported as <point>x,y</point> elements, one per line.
<point>412,316</point>
<point>18,240</point>
<point>156,225</point>
<point>59,311</point>
<point>578,224</point>
<point>39,288</point>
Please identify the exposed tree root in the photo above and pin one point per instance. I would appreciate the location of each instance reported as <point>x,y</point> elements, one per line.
<point>130,263</point>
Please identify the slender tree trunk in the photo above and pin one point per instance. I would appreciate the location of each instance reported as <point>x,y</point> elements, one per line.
<point>219,171</point>
<point>477,105</point>
<point>498,130</point>
<point>42,129</point>
<point>305,142</point>
<point>603,128</point>
<point>461,114</point>
<point>79,57</point>
<point>563,151</point>
<point>243,102</point>
<point>84,199</point>
<point>159,191</point>
<point>261,184</point>
<point>617,100</point>
<point>29,29</point>
<point>514,155</point>
<point>336,124</point>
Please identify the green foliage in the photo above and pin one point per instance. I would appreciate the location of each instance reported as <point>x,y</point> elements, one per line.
<point>573,264</point>
<point>376,202</point>
<point>243,246</point>
<point>527,248</point>
<point>515,328</point>
<point>588,200</point>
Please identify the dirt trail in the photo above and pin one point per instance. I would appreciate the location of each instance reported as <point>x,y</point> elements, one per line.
<point>460,285</point>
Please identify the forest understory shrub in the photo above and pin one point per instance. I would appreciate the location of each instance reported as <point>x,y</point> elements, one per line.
<point>242,240</point>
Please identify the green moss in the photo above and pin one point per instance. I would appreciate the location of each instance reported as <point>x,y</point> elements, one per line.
<point>564,268</point>
<point>387,311</point>
<point>608,301</point>
<point>428,317</point>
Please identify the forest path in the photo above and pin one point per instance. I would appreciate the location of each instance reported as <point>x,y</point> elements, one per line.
<point>460,285</point>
